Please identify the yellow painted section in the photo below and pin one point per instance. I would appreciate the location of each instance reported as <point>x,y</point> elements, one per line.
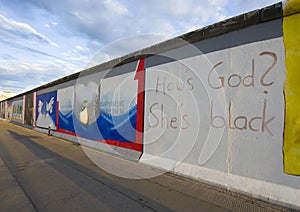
<point>291,7</point>
<point>291,36</point>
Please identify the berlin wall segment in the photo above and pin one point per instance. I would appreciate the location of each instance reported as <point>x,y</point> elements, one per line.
<point>219,113</point>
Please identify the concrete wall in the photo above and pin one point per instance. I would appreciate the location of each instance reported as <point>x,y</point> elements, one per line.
<point>226,124</point>
<point>219,104</point>
<point>99,108</point>
<point>224,115</point>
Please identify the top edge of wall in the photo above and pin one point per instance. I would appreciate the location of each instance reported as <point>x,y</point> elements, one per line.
<point>265,14</point>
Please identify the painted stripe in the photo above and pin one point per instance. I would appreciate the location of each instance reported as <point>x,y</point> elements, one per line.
<point>127,145</point>
<point>65,131</point>
<point>24,109</point>
<point>291,36</point>
<point>56,115</point>
<point>140,76</point>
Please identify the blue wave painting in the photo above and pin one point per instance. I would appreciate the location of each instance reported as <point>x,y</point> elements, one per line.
<point>121,128</point>
<point>66,121</point>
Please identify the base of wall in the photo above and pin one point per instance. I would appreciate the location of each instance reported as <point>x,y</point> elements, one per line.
<point>266,191</point>
<point>115,150</point>
<point>2,119</point>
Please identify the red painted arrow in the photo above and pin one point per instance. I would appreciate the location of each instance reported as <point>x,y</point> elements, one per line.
<point>140,76</point>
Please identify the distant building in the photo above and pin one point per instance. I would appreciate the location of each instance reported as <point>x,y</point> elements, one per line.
<point>6,94</point>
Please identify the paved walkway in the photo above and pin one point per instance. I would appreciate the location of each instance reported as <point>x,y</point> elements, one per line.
<point>41,173</point>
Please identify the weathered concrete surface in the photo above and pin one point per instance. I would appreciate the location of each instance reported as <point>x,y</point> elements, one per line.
<point>41,173</point>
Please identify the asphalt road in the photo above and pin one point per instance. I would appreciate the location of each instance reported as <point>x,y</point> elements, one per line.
<point>42,173</point>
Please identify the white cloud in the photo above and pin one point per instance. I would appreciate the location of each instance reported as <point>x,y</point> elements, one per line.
<point>109,20</point>
<point>80,49</point>
<point>237,7</point>
<point>22,75</point>
<point>50,25</point>
<point>78,55</point>
<point>125,46</point>
<point>22,30</point>
<point>174,17</point>
<point>116,7</point>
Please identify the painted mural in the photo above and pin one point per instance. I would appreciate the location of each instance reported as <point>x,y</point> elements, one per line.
<point>65,98</point>
<point>17,111</point>
<point>46,110</point>
<point>2,110</point>
<point>232,106</point>
<point>8,114</point>
<point>107,111</point>
<point>118,107</point>
<point>291,147</point>
<point>29,110</point>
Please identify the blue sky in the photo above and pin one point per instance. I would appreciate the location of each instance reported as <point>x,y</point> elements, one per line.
<point>43,40</point>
